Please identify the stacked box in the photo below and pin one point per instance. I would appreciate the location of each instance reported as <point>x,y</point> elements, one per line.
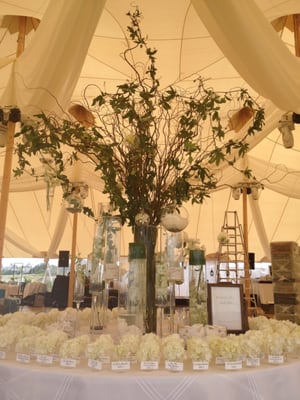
<point>285,260</point>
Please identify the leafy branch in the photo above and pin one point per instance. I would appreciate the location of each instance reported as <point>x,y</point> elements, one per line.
<point>152,146</point>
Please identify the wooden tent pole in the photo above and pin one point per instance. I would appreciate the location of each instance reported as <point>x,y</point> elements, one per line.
<point>246,250</point>
<point>9,153</point>
<point>73,257</point>
<point>296,23</point>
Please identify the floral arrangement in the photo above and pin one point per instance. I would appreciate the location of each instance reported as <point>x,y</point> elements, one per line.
<point>274,344</point>
<point>101,349</point>
<point>74,348</point>
<point>173,348</point>
<point>252,344</point>
<point>131,341</point>
<point>198,349</point>
<point>50,344</point>
<point>230,348</point>
<point>266,337</point>
<point>7,338</point>
<point>26,345</point>
<point>153,146</point>
<point>121,353</point>
<point>149,348</point>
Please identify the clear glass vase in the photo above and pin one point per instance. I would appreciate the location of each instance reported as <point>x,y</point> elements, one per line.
<point>132,288</point>
<point>148,234</point>
<point>197,288</point>
<point>97,284</point>
<point>174,261</point>
<point>79,285</point>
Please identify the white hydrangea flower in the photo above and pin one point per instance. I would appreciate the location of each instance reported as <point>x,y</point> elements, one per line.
<point>101,348</point>
<point>198,349</point>
<point>149,348</point>
<point>74,348</point>
<point>252,344</point>
<point>173,348</point>
<point>230,348</point>
<point>274,344</point>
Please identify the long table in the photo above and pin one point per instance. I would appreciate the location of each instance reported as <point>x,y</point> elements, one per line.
<point>35,382</point>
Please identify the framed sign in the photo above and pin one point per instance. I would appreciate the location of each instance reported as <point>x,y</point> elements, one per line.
<point>226,306</point>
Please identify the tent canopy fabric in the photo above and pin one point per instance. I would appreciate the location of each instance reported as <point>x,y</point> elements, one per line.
<point>75,49</point>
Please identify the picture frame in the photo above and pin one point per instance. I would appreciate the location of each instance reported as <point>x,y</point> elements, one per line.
<point>226,306</point>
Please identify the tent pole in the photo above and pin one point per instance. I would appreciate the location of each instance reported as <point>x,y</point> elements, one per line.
<point>296,23</point>
<point>9,153</point>
<point>73,256</point>
<point>246,247</point>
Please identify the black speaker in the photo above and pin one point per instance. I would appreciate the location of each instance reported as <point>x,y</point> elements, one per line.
<point>251,257</point>
<point>63,258</point>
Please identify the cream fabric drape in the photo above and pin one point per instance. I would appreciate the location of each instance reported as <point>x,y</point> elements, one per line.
<point>253,47</point>
<point>44,76</point>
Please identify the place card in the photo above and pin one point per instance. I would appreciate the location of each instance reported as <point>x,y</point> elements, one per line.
<point>174,366</point>
<point>44,359</point>
<point>274,359</point>
<point>2,355</point>
<point>233,365</point>
<point>200,365</point>
<point>23,358</point>
<point>94,364</point>
<point>149,365</point>
<point>120,365</point>
<point>68,362</point>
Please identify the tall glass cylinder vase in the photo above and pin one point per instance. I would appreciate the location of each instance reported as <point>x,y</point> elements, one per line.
<point>79,284</point>
<point>112,242</point>
<point>104,265</point>
<point>197,288</point>
<point>147,234</point>
<point>174,259</point>
<point>132,289</point>
<point>97,283</point>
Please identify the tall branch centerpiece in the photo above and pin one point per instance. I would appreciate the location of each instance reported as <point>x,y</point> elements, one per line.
<point>153,146</point>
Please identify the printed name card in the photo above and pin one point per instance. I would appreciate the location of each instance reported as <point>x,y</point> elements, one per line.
<point>120,365</point>
<point>44,359</point>
<point>200,365</point>
<point>233,365</point>
<point>68,362</point>
<point>23,358</point>
<point>275,359</point>
<point>174,366</point>
<point>149,365</point>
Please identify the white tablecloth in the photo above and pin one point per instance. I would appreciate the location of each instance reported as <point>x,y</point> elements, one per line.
<point>34,382</point>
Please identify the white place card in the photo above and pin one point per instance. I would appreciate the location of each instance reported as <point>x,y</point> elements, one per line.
<point>200,365</point>
<point>2,355</point>
<point>23,358</point>
<point>120,365</point>
<point>44,359</point>
<point>149,365</point>
<point>174,366</point>
<point>233,365</point>
<point>275,359</point>
<point>68,362</point>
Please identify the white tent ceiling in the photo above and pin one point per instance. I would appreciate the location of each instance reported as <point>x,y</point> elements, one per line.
<point>188,40</point>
